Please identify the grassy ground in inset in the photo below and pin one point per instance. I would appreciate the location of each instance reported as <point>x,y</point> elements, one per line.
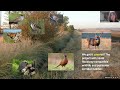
<point>7,39</point>
<point>68,67</point>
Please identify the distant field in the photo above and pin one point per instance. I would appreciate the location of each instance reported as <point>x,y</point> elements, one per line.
<point>115,36</point>
<point>116,33</point>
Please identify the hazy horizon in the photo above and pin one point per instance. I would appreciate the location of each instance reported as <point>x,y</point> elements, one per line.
<point>87,19</point>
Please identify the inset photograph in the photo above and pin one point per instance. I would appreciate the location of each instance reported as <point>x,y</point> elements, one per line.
<point>23,67</point>
<point>96,40</point>
<point>15,18</point>
<point>12,35</point>
<point>38,27</point>
<point>61,61</point>
<point>55,18</point>
<point>109,16</point>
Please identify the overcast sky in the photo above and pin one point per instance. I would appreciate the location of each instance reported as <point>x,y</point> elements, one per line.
<point>4,17</point>
<point>87,19</point>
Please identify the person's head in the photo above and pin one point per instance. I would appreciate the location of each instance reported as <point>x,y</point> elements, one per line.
<point>112,16</point>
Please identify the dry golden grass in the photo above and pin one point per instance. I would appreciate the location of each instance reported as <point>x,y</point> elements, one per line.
<point>96,30</point>
<point>28,50</point>
<point>116,33</point>
<point>39,52</point>
<point>9,51</point>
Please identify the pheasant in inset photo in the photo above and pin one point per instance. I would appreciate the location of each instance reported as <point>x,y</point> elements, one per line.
<point>63,62</point>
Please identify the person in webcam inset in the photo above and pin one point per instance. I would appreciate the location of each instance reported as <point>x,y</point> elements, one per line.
<point>112,17</point>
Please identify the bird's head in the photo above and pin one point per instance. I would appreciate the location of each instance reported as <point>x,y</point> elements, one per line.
<point>21,14</point>
<point>65,55</point>
<point>21,17</point>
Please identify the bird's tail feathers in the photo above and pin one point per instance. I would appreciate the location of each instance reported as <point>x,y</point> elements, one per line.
<point>57,66</point>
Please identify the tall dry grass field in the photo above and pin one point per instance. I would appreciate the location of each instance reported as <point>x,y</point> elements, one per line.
<point>66,44</point>
<point>8,52</point>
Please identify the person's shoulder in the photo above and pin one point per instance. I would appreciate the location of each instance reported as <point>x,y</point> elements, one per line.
<point>117,21</point>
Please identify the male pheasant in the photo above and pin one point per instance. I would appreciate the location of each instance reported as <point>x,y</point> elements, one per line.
<point>63,62</point>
